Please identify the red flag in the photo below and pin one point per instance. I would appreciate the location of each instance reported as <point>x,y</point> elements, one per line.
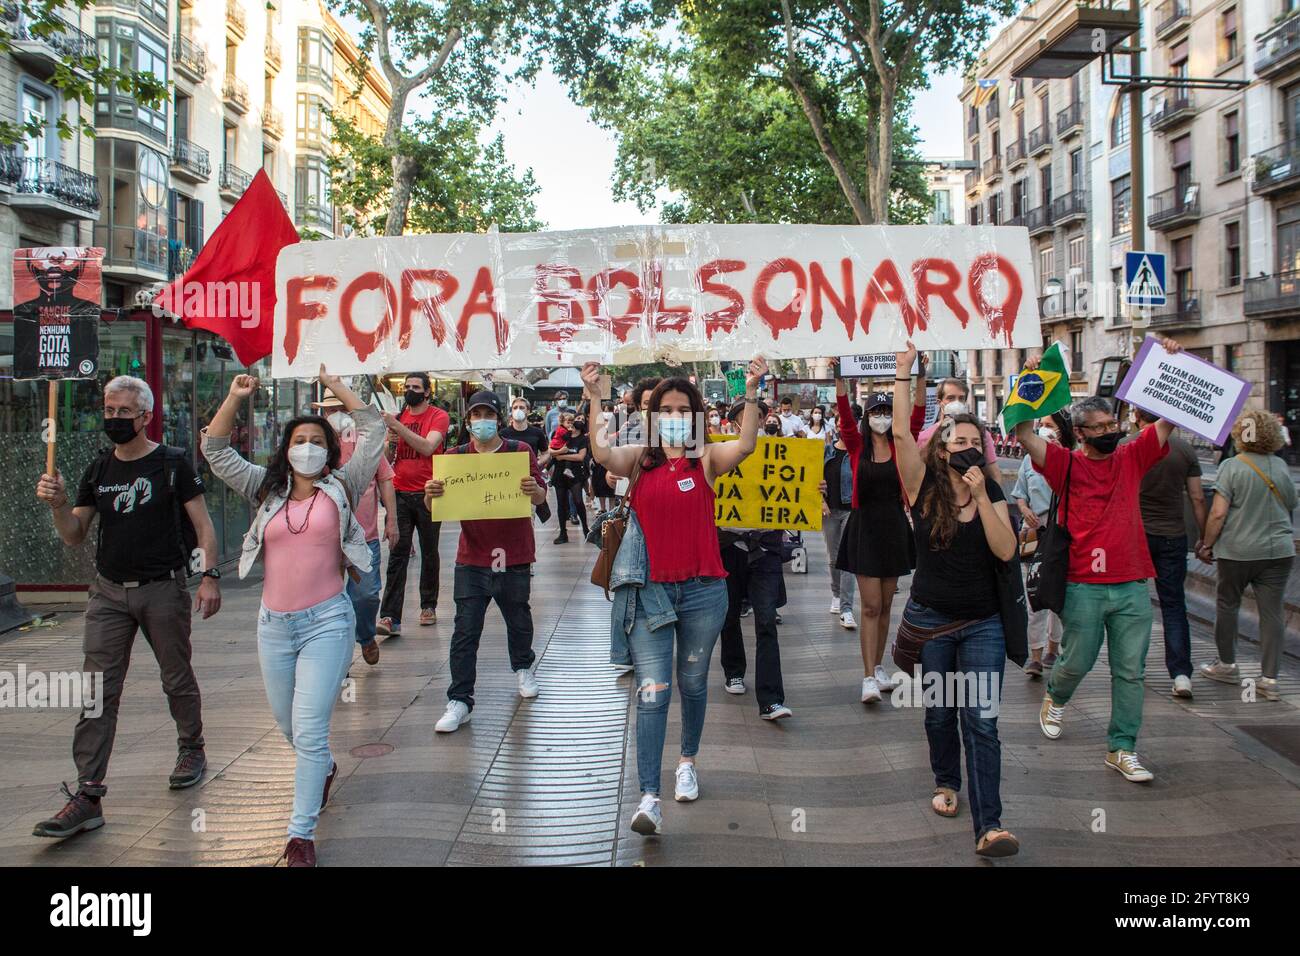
<point>230,288</point>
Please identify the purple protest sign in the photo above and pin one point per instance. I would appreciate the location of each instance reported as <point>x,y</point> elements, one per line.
<point>1184,389</point>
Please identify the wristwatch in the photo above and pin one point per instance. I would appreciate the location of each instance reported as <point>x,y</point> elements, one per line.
<point>214,573</point>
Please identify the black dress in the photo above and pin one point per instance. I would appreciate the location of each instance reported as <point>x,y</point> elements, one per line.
<point>877,541</point>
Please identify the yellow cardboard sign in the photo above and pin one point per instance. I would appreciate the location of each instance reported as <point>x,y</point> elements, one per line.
<point>775,487</point>
<point>481,487</point>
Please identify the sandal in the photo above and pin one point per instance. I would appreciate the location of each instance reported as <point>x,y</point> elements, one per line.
<point>949,806</point>
<point>997,843</point>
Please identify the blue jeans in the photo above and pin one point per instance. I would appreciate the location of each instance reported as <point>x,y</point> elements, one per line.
<point>475,588</point>
<point>364,595</point>
<point>977,654</point>
<point>701,606</point>
<point>1169,555</point>
<point>305,656</point>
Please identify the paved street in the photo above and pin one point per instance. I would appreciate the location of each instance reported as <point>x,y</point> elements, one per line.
<point>553,780</point>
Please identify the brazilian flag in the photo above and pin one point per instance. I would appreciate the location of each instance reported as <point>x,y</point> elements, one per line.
<point>1039,392</point>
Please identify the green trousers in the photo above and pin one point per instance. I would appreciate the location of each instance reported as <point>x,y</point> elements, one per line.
<point>1122,614</point>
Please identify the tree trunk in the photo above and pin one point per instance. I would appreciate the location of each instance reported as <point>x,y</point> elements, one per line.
<point>818,123</point>
<point>881,172</point>
<point>404,167</point>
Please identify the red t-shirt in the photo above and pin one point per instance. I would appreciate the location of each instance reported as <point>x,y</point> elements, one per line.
<point>1103,513</point>
<point>412,470</point>
<point>675,509</point>
<point>480,541</point>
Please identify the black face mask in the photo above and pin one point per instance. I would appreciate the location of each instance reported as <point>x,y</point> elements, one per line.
<point>1106,443</point>
<point>966,459</point>
<point>413,398</point>
<point>774,429</point>
<point>119,430</point>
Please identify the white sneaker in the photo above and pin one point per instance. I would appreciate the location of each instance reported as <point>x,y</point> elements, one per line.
<point>734,685</point>
<point>870,691</point>
<point>688,784</point>
<point>1183,686</point>
<point>528,688</point>
<point>883,679</point>
<point>835,605</point>
<point>847,622</point>
<point>1223,673</point>
<point>776,712</point>
<point>457,713</point>
<point>648,819</point>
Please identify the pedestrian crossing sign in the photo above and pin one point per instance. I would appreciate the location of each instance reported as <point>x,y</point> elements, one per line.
<point>1144,278</point>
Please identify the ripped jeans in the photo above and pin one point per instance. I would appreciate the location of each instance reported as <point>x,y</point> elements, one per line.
<point>701,606</point>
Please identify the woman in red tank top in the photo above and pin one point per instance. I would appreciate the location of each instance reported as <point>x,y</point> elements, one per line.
<point>672,499</point>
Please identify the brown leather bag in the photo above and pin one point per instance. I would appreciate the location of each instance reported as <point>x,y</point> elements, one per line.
<point>612,530</point>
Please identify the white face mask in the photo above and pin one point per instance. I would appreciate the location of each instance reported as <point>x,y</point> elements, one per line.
<point>1047,434</point>
<point>307,459</point>
<point>955,408</point>
<point>881,423</point>
<point>342,423</point>
<point>519,414</point>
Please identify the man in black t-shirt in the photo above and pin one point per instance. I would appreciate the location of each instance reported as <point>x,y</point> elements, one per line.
<point>520,429</point>
<point>153,529</point>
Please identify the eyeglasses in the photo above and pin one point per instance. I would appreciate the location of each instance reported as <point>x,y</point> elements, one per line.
<point>121,413</point>
<point>1102,428</point>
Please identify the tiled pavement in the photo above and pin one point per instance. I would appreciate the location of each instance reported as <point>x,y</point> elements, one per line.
<point>553,780</point>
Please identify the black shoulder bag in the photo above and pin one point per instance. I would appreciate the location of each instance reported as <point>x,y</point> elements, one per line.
<point>1046,582</point>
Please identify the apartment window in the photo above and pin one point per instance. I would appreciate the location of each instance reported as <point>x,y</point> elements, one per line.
<point>1076,353</point>
<point>186,226</point>
<point>1229,44</point>
<point>230,146</point>
<point>315,55</point>
<point>1120,197</point>
<point>181,117</point>
<point>943,207</point>
<point>133,213</point>
<point>1182,262</point>
<point>1076,170</point>
<point>1046,264</point>
<point>311,191</point>
<point>1178,59</point>
<point>1045,185</point>
<point>1232,254</point>
<point>1117,284</point>
<point>313,120</point>
<point>39,108</point>
<point>1182,154</point>
<point>975,215</point>
<point>1232,142</point>
<point>1120,123</point>
<point>995,209</point>
<point>1020,198</point>
<point>1045,110</point>
<point>1288,240</point>
<point>1291,114</point>
<point>996,144</point>
<point>1078,246</point>
<point>130,47</point>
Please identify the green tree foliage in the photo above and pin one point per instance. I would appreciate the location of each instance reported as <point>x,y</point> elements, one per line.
<point>78,69</point>
<point>461,184</point>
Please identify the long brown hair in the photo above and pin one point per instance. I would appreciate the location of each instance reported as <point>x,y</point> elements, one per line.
<point>654,455</point>
<point>939,503</point>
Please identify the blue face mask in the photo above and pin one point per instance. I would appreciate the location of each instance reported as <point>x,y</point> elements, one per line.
<point>673,432</point>
<point>484,429</point>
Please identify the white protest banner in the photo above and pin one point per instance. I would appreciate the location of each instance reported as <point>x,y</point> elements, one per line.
<point>1184,389</point>
<point>872,366</point>
<point>648,293</point>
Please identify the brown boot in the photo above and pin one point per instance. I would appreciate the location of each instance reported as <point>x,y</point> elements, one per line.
<point>370,653</point>
<point>300,852</point>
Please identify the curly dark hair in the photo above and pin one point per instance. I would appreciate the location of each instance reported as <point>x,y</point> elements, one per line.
<point>939,503</point>
<point>278,468</point>
<point>640,388</point>
<point>654,455</point>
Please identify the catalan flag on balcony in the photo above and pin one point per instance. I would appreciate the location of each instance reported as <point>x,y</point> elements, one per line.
<point>984,90</point>
<point>1040,391</point>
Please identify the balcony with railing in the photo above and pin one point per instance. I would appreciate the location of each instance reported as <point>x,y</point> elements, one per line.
<point>1067,302</point>
<point>44,52</point>
<point>1272,297</point>
<point>1040,139</point>
<point>190,59</point>
<point>190,161</point>
<point>233,181</point>
<point>236,20</point>
<point>1171,15</point>
<point>310,212</point>
<point>1175,207</point>
<point>49,187</point>
<point>274,57</point>
<point>992,110</point>
<point>992,169</point>
<point>1017,154</point>
<point>1039,220</point>
<point>1180,312</point>
<point>272,122</point>
<point>234,92</point>
<point>1278,49</point>
<point>972,180</point>
<point>131,253</point>
<point>1173,109</point>
<point>1069,121</point>
<point>1073,205</point>
<point>973,125</point>
<point>1276,169</point>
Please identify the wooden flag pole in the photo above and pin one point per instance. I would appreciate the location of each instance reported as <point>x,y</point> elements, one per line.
<point>52,416</point>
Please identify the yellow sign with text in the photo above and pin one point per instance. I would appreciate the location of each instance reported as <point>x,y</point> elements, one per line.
<point>775,487</point>
<point>481,487</point>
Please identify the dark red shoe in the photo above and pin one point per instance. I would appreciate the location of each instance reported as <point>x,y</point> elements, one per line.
<point>300,852</point>
<point>329,782</point>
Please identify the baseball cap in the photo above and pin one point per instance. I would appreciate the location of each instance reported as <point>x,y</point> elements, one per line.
<point>878,399</point>
<point>490,399</point>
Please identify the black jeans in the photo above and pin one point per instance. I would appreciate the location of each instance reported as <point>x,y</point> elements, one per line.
<point>412,516</point>
<point>473,589</point>
<point>761,581</point>
<point>1169,555</point>
<point>564,494</point>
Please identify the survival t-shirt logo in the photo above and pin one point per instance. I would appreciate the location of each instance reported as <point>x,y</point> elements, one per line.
<point>139,492</point>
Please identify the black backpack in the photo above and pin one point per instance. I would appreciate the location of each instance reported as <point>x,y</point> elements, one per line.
<point>188,541</point>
